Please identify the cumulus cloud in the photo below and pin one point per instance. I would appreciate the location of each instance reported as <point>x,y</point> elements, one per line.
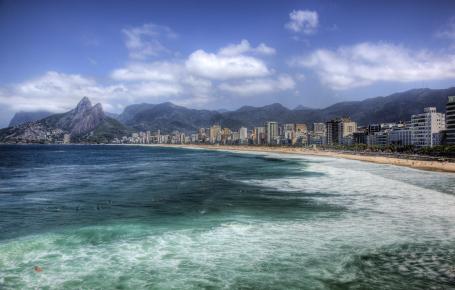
<point>154,71</point>
<point>147,40</point>
<point>304,21</point>
<point>56,92</point>
<point>259,86</point>
<point>196,80</point>
<point>366,63</point>
<point>245,47</point>
<point>222,67</point>
<point>59,92</point>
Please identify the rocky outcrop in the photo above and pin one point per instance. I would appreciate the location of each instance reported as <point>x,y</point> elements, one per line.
<point>82,122</point>
<point>84,118</point>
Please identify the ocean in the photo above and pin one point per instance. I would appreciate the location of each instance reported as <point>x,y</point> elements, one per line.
<point>136,217</point>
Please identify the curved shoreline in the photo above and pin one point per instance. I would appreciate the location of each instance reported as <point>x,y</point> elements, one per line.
<point>441,166</point>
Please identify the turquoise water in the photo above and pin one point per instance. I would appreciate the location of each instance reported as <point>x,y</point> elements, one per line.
<point>118,217</point>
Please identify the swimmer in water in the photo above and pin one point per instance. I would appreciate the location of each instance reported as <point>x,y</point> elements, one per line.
<point>38,269</point>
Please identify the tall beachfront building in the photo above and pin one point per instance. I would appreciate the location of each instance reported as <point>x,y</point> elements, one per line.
<point>243,135</point>
<point>259,135</point>
<point>332,129</point>
<point>346,130</point>
<point>450,121</point>
<point>215,134</point>
<point>425,126</point>
<point>271,131</point>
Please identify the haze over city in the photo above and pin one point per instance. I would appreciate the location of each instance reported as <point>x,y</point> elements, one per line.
<point>219,55</point>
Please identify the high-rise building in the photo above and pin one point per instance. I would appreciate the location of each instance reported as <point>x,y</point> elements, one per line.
<point>243,134</point>
<point>424,125</point>
<point>301,128</point>
<point>346,129</point>
<point>319,134</point>
<point>377,139</point>
<point>215,134</point>
<point>373,128</point>
<point>332,135</point>
<point>301,134</point>
<point>450,121</point>
<point>226,135</point>
<point>289,127</point>
<point>289,133</point>
<point>259,135</point>
<point>319,129</point>
<point>360,137</point>
<point>271,131</point>
<point>400,135</point>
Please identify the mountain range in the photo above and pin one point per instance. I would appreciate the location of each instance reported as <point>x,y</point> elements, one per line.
<point>87,123</point>
<point>25,117</point>
<point>396,107</point>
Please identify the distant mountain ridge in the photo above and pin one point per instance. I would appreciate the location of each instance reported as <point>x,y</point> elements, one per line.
<point>90,123</point>
<point>83,123</point>
<point>25,117</point>
<point>396,107</point>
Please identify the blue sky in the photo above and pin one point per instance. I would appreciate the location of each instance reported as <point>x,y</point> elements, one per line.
<point>219,54</point>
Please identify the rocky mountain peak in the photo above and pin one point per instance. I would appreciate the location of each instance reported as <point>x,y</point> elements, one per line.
<point>83,105</point>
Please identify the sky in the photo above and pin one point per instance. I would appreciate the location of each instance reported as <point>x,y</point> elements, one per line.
<point>219,54</point>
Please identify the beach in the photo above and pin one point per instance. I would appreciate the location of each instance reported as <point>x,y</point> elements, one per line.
<point>433,165</point>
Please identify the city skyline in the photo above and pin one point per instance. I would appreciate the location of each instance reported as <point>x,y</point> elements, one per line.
<point>294,53</point>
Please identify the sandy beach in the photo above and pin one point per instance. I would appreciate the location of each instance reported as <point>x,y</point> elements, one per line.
<point>443,166</point>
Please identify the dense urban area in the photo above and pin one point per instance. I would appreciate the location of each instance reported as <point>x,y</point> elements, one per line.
<point>427,133</point>
<point>429,129</point>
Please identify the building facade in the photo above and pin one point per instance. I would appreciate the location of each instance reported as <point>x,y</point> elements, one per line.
<point>450,121</point>
<point>215,134</point>
<point>271,131</point>
<point>243,135</point>
<point>400,136</point>
<point>332,134</point>
<point>424,125</point>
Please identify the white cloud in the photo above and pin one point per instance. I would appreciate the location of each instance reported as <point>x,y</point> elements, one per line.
<point>154,89</point>
<point>447,32</point>
<point>56,92</point>
<point>146,40</point>
<point>259,86</point>
<point>245,47</point>
<point>161,79</point>
<point>196,80</point>
<point>366,63</point>
<point>155,71</point>
<point>305,21</point>
<point>222,67</point>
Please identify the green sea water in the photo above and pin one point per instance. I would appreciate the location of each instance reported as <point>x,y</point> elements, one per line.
<point>126,217</point>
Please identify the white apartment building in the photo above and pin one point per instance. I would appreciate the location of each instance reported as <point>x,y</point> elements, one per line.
<point>243,134</point>
<point>424,125</point>
<point>271,130</point>
<point>450,120</point>
<point>400,135</point>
